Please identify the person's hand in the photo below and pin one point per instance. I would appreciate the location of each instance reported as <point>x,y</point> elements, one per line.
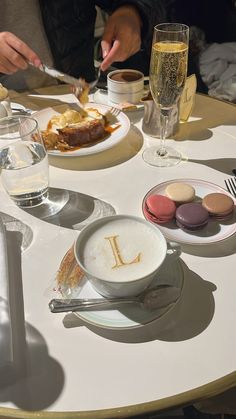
<point>122,36</point>
<point>15,54</point>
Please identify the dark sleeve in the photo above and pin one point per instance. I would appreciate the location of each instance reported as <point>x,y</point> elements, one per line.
<point>152,12</point>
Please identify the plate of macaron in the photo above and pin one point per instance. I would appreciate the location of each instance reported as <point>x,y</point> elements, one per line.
<point>191,211</point>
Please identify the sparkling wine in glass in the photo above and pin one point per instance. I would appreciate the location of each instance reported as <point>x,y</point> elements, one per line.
<point>168,71</point>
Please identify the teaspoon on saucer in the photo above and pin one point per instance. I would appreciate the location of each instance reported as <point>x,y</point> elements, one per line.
<point>150,299</point>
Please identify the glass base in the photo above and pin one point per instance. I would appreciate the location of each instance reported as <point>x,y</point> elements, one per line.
<point>154,157</point>
<point>31,199</point>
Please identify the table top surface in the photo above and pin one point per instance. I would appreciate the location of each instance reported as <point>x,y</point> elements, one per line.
<point>68,364</point>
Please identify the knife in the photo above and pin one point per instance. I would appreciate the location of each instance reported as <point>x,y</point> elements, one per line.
<point>62,76</point>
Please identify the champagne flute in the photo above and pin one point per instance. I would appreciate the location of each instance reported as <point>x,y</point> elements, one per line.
<point>168,71</point>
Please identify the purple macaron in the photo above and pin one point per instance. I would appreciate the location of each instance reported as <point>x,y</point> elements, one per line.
<point>191,216</point>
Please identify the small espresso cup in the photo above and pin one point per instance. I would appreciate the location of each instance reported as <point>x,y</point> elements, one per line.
<point>5,107</point>
<point>122,254</point>
<point>125,85</point>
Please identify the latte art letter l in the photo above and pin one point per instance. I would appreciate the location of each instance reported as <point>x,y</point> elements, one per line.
<point>117,254</point>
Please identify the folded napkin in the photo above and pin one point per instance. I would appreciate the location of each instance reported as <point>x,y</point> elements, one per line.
<point>218,70</point>
<point>6,353</point>
<point>187,98</point>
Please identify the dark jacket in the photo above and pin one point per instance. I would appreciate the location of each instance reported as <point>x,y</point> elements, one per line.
<point>217,18</point>
<point>69,25</point>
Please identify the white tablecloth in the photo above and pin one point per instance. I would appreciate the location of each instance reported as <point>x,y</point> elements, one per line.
<point>70,366</point>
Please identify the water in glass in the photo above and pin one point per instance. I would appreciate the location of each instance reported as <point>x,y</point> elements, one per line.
<point>23,160</point>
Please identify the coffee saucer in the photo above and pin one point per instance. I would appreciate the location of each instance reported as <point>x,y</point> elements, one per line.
<point>170,273</point>
<point>100,96</point>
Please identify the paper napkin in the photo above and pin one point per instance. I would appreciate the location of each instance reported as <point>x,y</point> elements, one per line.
<point>188,97</point>
<point>6,353</point>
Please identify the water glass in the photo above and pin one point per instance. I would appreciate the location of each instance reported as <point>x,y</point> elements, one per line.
<point>23,161</point>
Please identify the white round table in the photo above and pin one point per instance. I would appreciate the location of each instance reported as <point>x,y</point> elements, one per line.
<point>68,368</point>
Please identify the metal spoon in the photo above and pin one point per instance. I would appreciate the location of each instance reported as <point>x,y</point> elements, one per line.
<point>19,111</point>
<point>150,299</point>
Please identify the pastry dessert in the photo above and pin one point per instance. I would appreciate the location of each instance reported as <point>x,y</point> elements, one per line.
<point>180,192</point>
<point>69,273</point>
<point>3,92</point>
<point>219,205</point>
<point>159,209</point>
<point>191,216</point>
<point>74,129</point>
<point>126,106</point>
<point>82,92</point>
<point>83,133</point>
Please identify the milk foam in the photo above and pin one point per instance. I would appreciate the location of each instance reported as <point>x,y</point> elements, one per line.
<point>129,241</point>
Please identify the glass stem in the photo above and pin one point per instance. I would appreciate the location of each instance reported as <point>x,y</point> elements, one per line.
<point>164,119</point>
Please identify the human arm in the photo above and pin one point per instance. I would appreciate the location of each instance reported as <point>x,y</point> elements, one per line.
<point>15,54</point>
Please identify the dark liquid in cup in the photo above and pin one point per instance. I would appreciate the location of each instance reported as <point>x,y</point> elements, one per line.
<point>126,76</point>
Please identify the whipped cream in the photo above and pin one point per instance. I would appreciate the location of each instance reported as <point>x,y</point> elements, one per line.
<point>3,92</point>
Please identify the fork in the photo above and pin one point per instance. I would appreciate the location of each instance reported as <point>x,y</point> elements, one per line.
<point>92,84</point>
<point>231,185</point>
<point>114,111</point>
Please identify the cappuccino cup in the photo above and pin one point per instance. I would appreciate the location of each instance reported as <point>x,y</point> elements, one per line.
<point>121,254</point>
<point>125,85</point>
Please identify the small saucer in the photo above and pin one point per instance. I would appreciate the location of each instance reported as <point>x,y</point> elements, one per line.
<point>135,315</point>
<point>100,96</point>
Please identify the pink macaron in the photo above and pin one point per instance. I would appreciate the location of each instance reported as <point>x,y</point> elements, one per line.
<point>159,209</point>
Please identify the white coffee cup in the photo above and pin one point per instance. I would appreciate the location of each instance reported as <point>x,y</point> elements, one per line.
<point>125,85</point>
<point>5,107</point>
<point>121,254</point>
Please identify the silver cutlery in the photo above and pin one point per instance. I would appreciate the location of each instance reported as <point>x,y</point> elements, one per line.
<point>231,185</point>
<point>18,111</point>
<point>66,78</point>
<point>79,83</point>
<point>158,297</point>
<point>114,111</point>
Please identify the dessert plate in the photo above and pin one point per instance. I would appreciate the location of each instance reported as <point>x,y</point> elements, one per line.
<point>114,138</point>
<point>134,315</point>
<point>214,232</point>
